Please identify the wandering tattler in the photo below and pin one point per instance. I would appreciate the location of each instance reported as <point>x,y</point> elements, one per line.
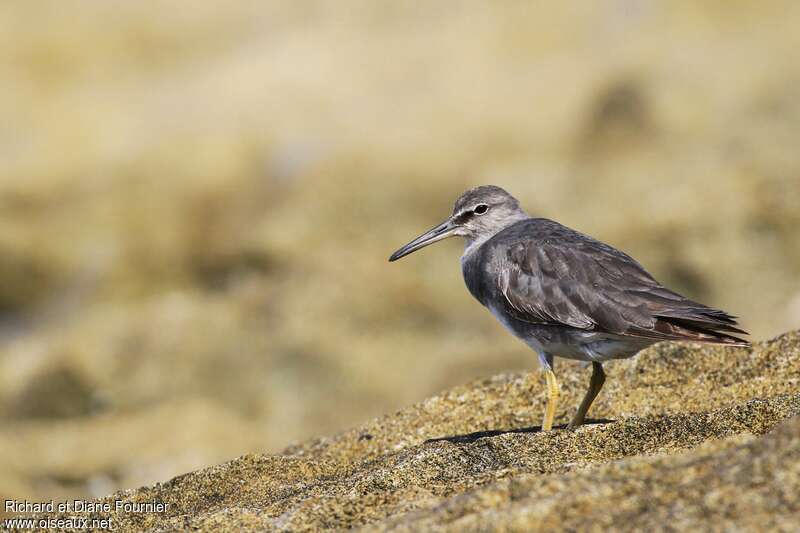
<point>566,294</point>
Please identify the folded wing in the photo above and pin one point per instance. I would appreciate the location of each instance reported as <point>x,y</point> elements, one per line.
<point>555,275</point>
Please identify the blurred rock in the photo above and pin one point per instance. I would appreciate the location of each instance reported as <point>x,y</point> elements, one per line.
<point>620,119</point>
<point>57,392</point>
<point>26,279</point>
<point>196,208</point>
<point>88,456</point>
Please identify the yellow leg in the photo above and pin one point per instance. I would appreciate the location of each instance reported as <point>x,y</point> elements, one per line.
<point>596,383</point>
<point>552,399</point>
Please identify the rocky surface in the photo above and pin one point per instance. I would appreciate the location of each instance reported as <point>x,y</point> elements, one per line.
<point>684,436</point>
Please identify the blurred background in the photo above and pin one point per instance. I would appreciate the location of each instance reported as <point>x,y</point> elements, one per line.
<point>197,202</point>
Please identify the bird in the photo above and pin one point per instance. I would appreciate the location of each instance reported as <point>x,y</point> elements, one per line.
<point>566,294</point>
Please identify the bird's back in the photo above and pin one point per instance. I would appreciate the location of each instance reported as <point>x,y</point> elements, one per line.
<point>540,272</point>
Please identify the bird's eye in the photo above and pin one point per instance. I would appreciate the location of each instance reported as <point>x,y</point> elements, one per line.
<point>481,209</point>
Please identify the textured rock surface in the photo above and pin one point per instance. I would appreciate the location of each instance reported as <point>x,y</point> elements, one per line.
<point>701,437</point>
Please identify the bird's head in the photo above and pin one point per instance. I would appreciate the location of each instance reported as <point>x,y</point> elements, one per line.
<point>478,214</point>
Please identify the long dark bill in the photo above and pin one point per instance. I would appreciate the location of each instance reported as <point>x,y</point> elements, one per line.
<point>442,231</point>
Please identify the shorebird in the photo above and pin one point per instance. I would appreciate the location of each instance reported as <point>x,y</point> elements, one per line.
<point>566,294</point>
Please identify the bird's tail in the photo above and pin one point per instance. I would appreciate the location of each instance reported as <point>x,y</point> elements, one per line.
<point>709,325</point>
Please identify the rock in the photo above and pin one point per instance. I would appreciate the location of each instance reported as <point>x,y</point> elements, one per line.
<point>58,392</point>
<point>700,437</point>
<point>90,456</point>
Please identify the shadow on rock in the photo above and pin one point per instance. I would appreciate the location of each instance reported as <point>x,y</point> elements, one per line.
<point>472,437</point>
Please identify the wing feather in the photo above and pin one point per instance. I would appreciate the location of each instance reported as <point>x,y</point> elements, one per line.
<point>557,276</point>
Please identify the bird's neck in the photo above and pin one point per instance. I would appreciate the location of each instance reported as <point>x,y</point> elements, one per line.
<point>473,242</point>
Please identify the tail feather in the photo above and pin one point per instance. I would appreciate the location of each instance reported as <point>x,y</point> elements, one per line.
<point>685,319</point>
<point>705,325</point>
<point>695,330</point>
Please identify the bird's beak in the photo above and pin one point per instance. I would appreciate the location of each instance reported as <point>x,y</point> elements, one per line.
<point>442,231</point>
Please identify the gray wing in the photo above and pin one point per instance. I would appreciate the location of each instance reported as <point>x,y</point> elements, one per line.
<point>561,277</point>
